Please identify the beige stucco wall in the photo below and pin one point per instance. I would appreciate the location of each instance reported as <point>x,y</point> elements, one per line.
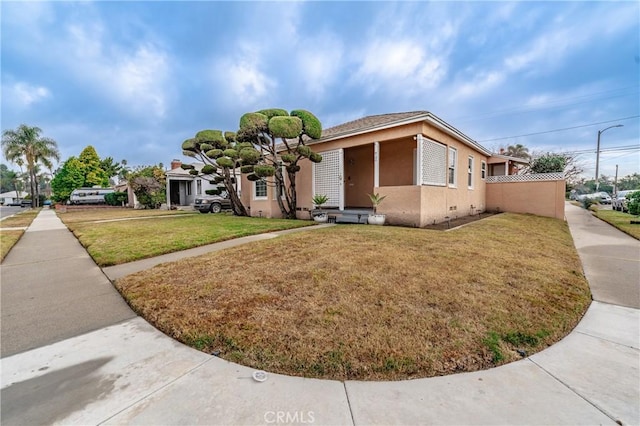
<point>543,198</point>
<point>406,204</point>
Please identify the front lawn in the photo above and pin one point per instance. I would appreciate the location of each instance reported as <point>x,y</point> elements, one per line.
<point>621,220</point>
<point>374,303</point>
<point>9,237</point>
<point>121,241</point>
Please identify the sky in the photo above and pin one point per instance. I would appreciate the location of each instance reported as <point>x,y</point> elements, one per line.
<point>135,79</point>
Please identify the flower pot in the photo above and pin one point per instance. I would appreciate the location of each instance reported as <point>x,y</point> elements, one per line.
<point>376,219</point>
<point>321,218</point>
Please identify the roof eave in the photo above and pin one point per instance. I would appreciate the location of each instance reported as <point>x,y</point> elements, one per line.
<point>437,122</point>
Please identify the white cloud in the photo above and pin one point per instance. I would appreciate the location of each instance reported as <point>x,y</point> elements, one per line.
<point>240,78</point>
<point>320,65</point>
<point>405,63</point>
<point>23,95</point>
<point>482,83</point>
<point>134,77</point>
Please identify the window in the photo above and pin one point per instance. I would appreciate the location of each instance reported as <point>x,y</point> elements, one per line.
<point>199,187</point>
<point>470,173</point>
<point>260,190</point>
<point>189,188</point>
<point>434,163</point>
<point>483,170</point>
<point>453,160</point>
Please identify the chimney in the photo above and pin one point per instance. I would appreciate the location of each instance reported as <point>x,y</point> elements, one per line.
<point>501,151</point>
<point>175,164</point>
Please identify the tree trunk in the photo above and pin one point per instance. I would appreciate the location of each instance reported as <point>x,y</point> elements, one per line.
<point>236,203</point>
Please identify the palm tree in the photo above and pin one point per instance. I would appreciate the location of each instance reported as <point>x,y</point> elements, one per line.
<point>25,146</point>
<point>518,151</point>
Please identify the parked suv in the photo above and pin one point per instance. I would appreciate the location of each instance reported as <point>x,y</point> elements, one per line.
<point>212,204</point>
<point>619,203</point>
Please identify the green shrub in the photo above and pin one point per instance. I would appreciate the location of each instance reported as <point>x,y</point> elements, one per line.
<point>253,122</point>
<point>273,112</point>
<point>208,169</point>
<point>214,153</point>
<point>189,145</point>
<point>633,202</point>
<point>263,171</point>
<point>246,169</point>
<point>231,153</point>
<point>225,162</point>
<point>315,157</point>
<point>288,158</point>
<point>116,198</point>
<point>213,137</point>
<point>588,202</point>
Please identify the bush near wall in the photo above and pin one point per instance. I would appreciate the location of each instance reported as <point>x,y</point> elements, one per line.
<point>116,198</point>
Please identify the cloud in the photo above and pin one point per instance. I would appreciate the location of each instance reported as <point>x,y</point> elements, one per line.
<point>403,62</point>
<point>320,65</point>
<point>240,78</point>
<point>23,95</point>
<point>135,77</point>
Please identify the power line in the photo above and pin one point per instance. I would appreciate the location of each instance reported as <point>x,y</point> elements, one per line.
<point>560,130</point>
<point>609,149</point>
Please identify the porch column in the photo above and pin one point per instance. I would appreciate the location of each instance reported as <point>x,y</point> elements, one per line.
<point>418,161</point>
<point>506,168</point>
<point>168,191</point>
<point>376,164</point>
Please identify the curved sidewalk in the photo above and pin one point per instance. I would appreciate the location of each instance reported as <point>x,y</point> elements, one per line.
<point>127,372</point>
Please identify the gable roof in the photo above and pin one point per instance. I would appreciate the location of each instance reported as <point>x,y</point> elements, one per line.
<point>370,122</point>
<point>384,121</point>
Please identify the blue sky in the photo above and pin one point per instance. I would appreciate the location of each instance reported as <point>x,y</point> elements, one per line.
<point>134,79</point>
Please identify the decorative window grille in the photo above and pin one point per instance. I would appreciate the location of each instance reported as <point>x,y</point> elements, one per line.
<point>327,177</point>
<point>434,162</point>
<point>453,161</point>
<point>260,189</point>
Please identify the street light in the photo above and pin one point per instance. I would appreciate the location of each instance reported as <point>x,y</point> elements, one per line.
<point>598,153</point>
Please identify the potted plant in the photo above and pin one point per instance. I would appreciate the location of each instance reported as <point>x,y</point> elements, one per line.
<point>318,215</point>
<point>375,218</point>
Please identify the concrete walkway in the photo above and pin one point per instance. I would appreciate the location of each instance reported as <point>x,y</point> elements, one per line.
<point>127,372</point>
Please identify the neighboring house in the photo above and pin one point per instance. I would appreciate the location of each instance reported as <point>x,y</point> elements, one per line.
<point>183,187</point>
<point>504,165</point>
<point>427,169</point>
<point>11,196</point>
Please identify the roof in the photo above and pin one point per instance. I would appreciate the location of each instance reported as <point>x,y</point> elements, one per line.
<point>12,194</point>
<point>508,157</point>
<point>370,122</point>
<point>384,121</point>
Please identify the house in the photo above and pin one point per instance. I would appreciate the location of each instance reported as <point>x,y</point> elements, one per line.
<point>183,187</point>
<point>428,170</point>
<point>7,198</point>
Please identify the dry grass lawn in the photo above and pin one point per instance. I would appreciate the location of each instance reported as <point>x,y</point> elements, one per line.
<point>122,241</point>
<point>374,303</point>
<point>9,238</point>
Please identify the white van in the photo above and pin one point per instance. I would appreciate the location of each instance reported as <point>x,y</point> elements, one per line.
<point>89,195</point>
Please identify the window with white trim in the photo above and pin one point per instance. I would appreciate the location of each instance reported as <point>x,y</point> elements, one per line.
<point>453,161</point>
<point>470,172</point>
<point>189,188</point>
<point>483,170</point>
<point>260,190</point>
<point>199,187</point>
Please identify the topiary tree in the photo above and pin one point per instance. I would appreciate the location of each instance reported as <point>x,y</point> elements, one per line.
<point>221,154</point>
<point>275,141</point>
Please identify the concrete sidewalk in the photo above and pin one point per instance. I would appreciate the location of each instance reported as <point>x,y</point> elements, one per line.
<point>52,290</point>
<point>130,373</point>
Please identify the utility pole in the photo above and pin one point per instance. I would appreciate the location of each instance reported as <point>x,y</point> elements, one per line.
<point>615,183</point>
<point>598,153</point>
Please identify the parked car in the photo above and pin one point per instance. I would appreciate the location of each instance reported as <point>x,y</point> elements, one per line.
<point>619,203</point>
<point>602,197</point>
<point>26,203</point>
<point>212,204</point>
